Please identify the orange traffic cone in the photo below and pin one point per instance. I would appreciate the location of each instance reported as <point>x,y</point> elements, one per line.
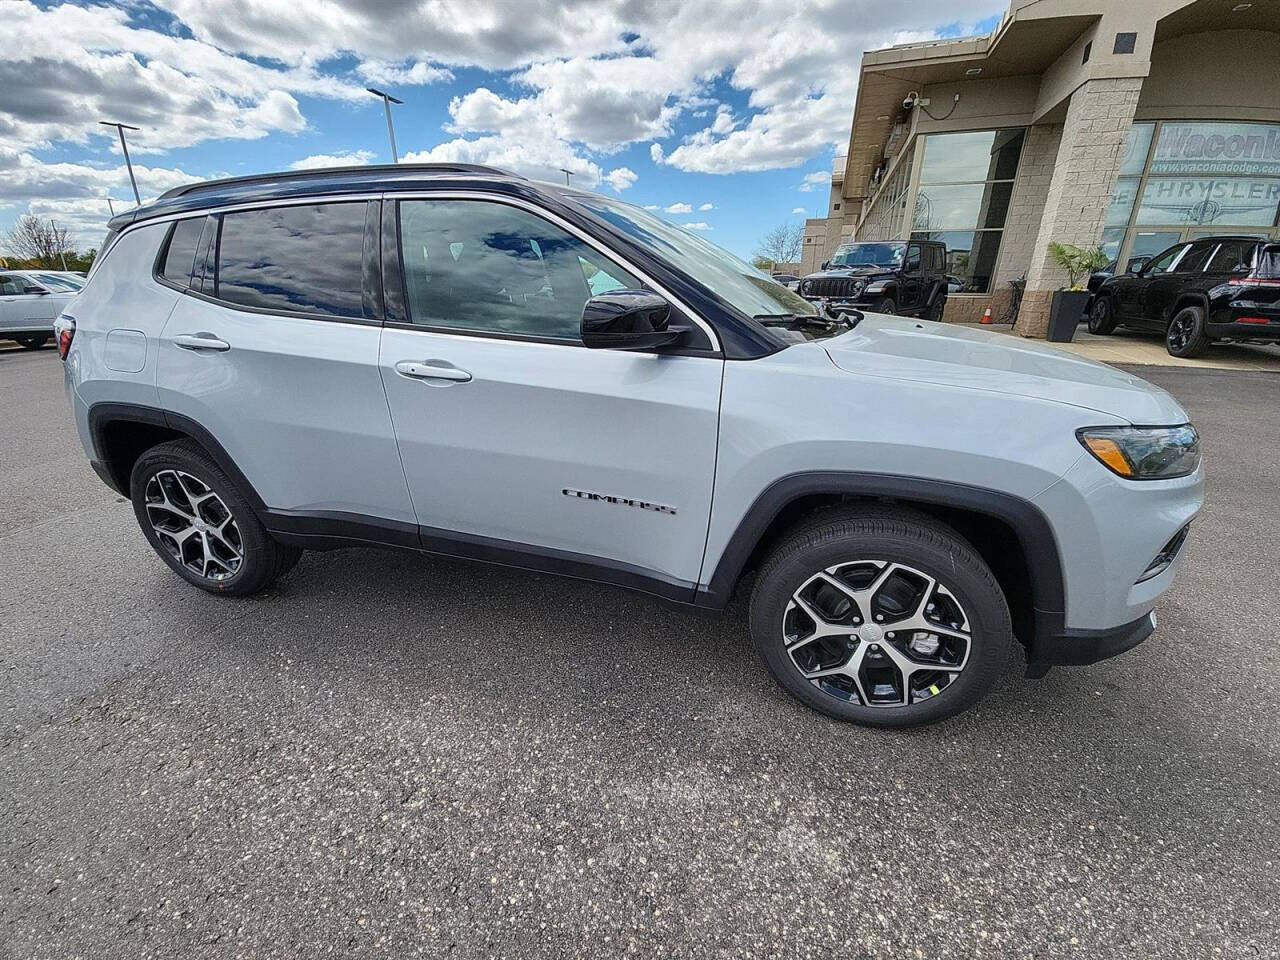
<point>986,316</point>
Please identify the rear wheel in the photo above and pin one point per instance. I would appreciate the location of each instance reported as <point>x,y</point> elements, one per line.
<point>33,342</point>
<point>201,525</point>
<point>885,618</point>
<point>885,305</point>
<point>1102,317</point>
<point>1186,336</point>
<point>935,310</point>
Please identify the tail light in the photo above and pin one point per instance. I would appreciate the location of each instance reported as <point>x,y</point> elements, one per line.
<point>65,328</point>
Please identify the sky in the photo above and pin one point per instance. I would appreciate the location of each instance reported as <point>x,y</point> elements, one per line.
<point>725,115</point>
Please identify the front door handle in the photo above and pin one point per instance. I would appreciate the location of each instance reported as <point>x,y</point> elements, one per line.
<point>431,370</point>
<point>201,341</point>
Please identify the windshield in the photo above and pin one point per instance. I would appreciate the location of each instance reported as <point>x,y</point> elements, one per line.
<point>869,255</point>
<point>56,281</point>
<point>743,286</point>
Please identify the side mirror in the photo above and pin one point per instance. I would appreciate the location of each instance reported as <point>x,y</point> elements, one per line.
<point>1136,264</point>
<point>826,265</point>
<point>34,290</point>
<point>628,320</point>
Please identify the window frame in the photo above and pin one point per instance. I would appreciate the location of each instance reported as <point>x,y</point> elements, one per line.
<point>395,280</point>
<point>197,261</point>
<point>210,242</point>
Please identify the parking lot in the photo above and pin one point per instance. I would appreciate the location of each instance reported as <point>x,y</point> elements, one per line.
<point>397,755</point>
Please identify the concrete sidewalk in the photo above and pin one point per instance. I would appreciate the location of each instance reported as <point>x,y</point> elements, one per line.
<point>1146,349</point>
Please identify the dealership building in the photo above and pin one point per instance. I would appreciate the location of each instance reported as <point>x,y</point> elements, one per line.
<point>1131,125</point>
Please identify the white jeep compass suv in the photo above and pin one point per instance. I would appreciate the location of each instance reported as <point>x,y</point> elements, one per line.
<point>452,359</point>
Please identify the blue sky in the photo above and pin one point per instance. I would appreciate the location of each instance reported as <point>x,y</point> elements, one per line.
<point>705,102</point>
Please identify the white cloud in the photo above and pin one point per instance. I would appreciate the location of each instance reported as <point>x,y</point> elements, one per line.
<point>621,178</point>
<point>678,208</point>
<point>655,152</point>
<point>386,74</point>
<point>540,159</point>
<point>703,207</point>
<point>697,225</point>
<point>652,206</point>
<point>724,121</point>
<point>815,180</point>
<point>798,210</point>
<point>347,158</point>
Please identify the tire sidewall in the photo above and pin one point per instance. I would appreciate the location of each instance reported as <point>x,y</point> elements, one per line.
<point>190,460</point>
<point>887,305</point>
<point>977,594</point>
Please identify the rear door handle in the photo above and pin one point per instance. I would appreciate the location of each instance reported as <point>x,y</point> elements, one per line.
<point>431,370</point>
<point>201,341</point>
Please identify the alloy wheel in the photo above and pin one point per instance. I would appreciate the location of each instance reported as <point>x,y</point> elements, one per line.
<point>1180,330</point>
<point>878,633</point>
<point>194,525</point>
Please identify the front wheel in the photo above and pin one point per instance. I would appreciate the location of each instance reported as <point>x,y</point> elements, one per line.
<point>1102,317</point>
<point>885,618</point>
<point>885,305</point>
<point>201,525</point>
<point>1186,336</point>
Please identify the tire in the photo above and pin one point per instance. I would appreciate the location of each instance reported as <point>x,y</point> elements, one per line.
<point>1102,316</point>
<point>33,343</point>
<point>201,525</point>
<point>1185,336</point>
<point>935,310</point>
<point>885,305</point>
<point>926,550</point>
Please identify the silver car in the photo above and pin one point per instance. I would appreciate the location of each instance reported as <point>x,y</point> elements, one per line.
<point>30,300</point>
<point>455,360</point>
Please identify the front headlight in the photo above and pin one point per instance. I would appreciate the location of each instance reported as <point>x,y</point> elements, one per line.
<point>877,287</point>
<point>1144,453</point>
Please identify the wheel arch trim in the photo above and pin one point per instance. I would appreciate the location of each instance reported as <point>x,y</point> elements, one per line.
<point>1027,521</point>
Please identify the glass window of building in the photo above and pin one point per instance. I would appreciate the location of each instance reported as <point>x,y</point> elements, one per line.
<point>1183,179</point>
<point>966,185</point>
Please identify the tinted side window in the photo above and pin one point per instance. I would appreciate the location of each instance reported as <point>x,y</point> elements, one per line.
<point>494,268</point>
<point>1231,254</point>
<point>1161,263</point>
<point>296,259</point>
<point>913,259</point>
<point>180,254</point>
<point>1195,258</point>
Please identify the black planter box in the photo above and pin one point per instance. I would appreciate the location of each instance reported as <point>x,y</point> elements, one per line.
<point>1065,314</point>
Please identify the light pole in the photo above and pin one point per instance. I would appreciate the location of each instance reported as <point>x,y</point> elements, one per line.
<point>121,128</point>
<point>112,207</point>
<point>567,175</point>
<point>387,101</point>
<point>62,253</point>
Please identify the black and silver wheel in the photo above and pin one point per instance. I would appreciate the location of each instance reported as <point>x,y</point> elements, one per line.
<point>885,305</point>
<point>1102,318</point>
<point>885,619</point>
<point>33,342</point>
<point>201,525</point>
<point>1186,336</point>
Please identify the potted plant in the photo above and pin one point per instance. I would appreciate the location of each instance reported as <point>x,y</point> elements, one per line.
<point>1069,303</point>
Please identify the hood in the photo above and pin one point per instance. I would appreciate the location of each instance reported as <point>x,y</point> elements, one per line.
<point>845,273</point>
<point>975,359</point>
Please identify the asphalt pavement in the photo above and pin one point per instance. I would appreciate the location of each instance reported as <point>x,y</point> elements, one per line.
<point>393,755</point>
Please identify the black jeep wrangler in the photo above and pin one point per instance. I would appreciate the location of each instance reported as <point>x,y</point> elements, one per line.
<point>883,277</point>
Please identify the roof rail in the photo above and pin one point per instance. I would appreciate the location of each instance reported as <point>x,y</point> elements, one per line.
<point>326,172</point>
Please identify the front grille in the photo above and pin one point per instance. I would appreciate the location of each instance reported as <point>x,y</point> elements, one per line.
<point>834,288</point>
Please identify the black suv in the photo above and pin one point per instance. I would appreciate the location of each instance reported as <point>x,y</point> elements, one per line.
<point>889,277</point>
<point>1209,289</point>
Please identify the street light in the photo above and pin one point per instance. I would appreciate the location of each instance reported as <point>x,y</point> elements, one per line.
<point>112,207</point>
<point>387,101</point>
<point>121,128</point>
<point>567,175</point>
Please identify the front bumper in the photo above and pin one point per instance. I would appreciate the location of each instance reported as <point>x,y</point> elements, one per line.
<point>1081,647</point>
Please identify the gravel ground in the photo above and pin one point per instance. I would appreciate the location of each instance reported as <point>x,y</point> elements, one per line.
<point>394,755</point>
